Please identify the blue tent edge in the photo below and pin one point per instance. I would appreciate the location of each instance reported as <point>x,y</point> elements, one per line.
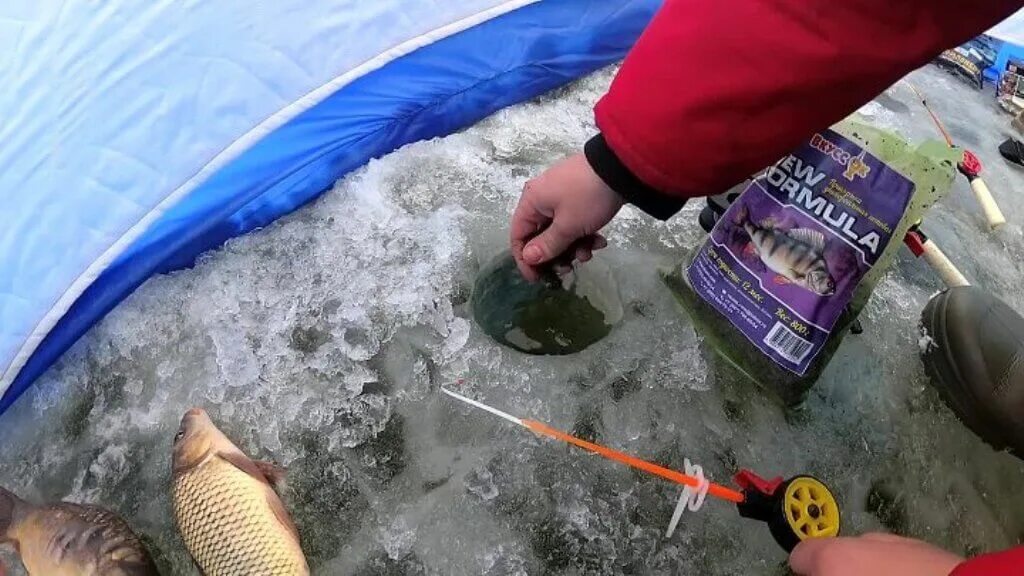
<point>1006,51</point>
<point>431,92</point>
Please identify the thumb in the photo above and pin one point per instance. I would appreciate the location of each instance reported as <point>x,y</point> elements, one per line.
<point>805,558</point>
<point>547,245</point>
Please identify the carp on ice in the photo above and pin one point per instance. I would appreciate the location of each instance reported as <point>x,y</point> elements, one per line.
<point>231,519</point>
<point>66,539</point>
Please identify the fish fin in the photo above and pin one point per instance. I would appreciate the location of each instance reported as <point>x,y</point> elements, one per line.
<point>275,474</point>
<point>245,464</point>
<point>781,280</point>
<point>277,507</point>
<point>813,238</point>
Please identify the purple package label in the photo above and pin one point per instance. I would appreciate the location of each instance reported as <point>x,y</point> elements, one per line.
<point>784,260</point>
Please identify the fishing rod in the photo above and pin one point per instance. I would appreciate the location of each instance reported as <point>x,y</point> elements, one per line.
<point>797,509</point>
<point>922,246</point>
<point>970,167</point>
<point>935,119</point>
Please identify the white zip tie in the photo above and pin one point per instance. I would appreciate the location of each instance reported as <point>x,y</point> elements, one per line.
<point>692,498</point>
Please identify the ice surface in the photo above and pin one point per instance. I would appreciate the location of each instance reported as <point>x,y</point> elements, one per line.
<point>321,342</point>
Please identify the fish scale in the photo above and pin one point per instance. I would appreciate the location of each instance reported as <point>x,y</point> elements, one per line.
<point>224,519</point>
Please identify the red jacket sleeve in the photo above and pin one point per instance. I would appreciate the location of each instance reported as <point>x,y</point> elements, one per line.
<point>1009,563</point>
<point>714,91</point>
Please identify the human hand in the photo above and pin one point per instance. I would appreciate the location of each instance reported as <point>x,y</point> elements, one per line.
<point>875,554</point>
<point>558,216</point>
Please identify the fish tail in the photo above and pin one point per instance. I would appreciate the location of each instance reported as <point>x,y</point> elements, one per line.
<point>9,504</point>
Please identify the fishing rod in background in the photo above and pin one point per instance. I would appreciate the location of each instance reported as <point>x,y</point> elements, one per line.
<point>923,247</point>
<point>969,166</point>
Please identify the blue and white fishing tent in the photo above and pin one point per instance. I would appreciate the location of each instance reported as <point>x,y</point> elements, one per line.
<point>1010,35</point>
<point>137,134</point>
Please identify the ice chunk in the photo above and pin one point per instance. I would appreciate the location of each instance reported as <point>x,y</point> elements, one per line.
<point>398,539</point>
<point>926,343</point>
<point>480,482</point>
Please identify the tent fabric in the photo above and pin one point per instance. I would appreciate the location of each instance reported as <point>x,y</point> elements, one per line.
<point>1010,30</point>
<point>229,147</point>
<point>1010,34</point>
<point>113,111</point>
<point>1007,50</point>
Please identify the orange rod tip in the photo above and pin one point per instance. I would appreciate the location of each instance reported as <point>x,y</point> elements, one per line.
<point>716,490</point>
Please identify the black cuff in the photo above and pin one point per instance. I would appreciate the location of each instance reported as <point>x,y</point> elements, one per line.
<point>609,168</point>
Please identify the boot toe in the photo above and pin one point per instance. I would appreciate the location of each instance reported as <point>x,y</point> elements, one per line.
<point>976,362</point>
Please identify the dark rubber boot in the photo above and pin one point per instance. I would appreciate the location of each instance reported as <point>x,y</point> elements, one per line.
<point>977,363</point>
<point>1013,150</point>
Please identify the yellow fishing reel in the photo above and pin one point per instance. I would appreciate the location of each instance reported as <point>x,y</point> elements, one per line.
<point>795,510</point>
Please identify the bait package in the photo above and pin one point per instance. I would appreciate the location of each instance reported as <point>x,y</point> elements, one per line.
<point>792,262</point>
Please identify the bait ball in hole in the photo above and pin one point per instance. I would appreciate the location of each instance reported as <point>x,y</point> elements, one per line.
<point>553,316</point>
